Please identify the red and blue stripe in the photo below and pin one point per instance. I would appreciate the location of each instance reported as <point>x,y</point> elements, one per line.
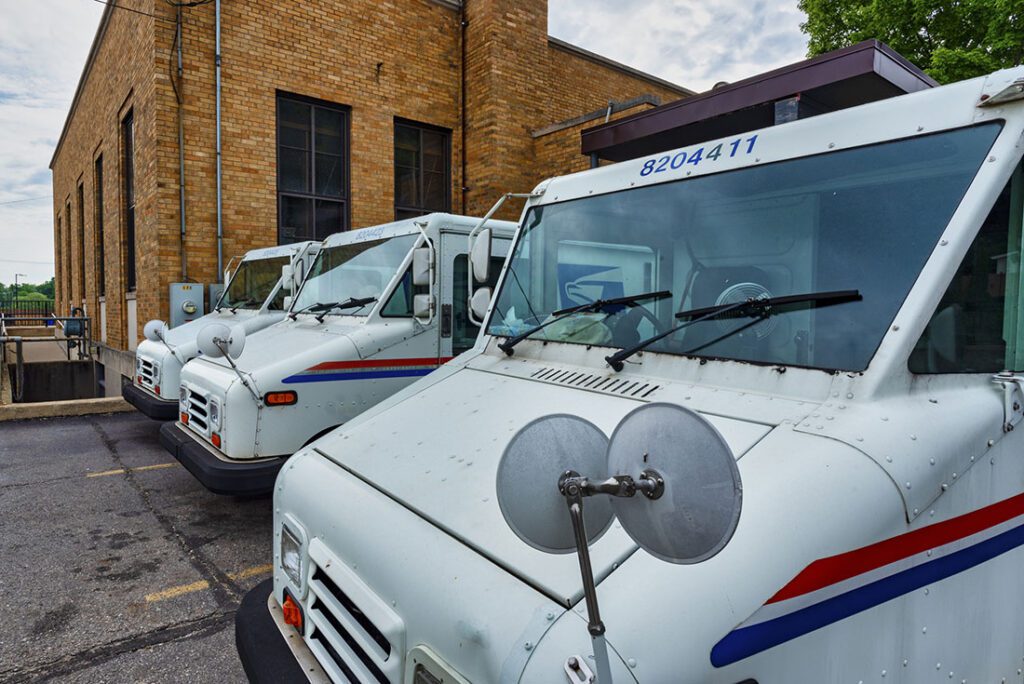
<point>369,369</point>
<point>832,589</point>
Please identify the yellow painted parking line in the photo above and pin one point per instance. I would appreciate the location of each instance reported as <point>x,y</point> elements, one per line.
<point>177,591</point>
<point>252,572</point>
<point>122,471</point>
<point>174,592</point>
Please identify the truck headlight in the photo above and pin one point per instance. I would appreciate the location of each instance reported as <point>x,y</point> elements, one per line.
<point>182,395</point>
<point>156,372</point>
<point>291,556</point>
<point>214,413</point>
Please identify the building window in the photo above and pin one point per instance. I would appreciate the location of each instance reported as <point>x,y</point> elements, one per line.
<point>101,284</point>
<point>128,180</point>
<point>422,170</point>
<point>312,169</point>
<point>81,241</point>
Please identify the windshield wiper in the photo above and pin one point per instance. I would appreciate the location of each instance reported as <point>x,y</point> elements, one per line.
<point>750,308</point>
<point>244,302</point>
<point>590,307</point>
<point>350,303</point>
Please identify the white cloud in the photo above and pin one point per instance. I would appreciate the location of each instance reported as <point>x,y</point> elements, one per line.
<point>694,43</point>
<point>45,43</point>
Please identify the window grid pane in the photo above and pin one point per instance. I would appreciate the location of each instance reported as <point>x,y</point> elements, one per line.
<point>312,181</point>
<point>422,170</point>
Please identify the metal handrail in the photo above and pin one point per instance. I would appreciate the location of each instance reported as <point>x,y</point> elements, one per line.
<point>84,348</point>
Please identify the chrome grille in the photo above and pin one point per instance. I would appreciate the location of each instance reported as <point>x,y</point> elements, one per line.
<point>355,637</point>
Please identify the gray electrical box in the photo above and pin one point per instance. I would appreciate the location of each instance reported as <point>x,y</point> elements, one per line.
<point>186,303</point>
<point>216,290</point>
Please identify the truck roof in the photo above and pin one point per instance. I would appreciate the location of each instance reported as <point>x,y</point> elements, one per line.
<point>276,251</point>
<point>448,222</point>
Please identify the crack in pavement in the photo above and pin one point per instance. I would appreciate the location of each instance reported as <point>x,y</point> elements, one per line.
<point>225,590</point>
<point>96,655</point>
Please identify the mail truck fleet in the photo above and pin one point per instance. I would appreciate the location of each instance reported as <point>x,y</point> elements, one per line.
<point>379,308</point>
<point>253,299</point>
<point>838,298</point>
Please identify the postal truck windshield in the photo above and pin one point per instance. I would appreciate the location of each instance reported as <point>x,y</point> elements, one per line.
<point>861,219</point>
<point>356,270</point>
<point>253,282</point>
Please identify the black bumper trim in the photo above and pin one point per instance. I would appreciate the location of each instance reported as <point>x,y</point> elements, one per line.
<point>157,409</point>
<point>261,646</point>
<point>220,477</point>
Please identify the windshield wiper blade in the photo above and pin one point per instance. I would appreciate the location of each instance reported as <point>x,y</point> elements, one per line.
<point>753,307</point>
<point>244,302</point>
<point>594,306</point>
<point>350,303</point>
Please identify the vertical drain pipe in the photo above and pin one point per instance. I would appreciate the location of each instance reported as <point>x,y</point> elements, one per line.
<point>181,153</point>
<point>220,198</point>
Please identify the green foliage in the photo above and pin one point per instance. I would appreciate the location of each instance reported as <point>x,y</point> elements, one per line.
<point>949,39</point>
<point>28,290</point>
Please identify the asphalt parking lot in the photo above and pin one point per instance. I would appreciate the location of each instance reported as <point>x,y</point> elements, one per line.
<point>117,565</point>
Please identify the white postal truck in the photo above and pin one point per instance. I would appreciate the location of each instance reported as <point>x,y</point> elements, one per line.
<point>254,299</point>
<point>845,293</point>
<point>379,308</point>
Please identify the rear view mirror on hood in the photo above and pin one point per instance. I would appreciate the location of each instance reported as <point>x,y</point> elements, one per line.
<point>287,277</point>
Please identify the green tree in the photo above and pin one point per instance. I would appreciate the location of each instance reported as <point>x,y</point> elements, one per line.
<point>949,39</point>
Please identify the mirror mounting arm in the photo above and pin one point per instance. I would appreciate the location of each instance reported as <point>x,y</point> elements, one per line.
<point>223,344</point>
<point>574,487</point>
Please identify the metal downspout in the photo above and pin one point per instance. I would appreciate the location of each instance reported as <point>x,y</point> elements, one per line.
<point>220,198</point>
<point>181,154</point>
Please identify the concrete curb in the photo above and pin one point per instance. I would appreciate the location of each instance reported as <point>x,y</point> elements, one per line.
<point>60,409</point>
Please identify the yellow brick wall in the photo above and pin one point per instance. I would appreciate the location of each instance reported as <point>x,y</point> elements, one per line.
<point>120,79</point>
<point>382,60</point>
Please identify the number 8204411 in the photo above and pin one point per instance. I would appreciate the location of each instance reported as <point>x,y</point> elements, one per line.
<point>677,160</point>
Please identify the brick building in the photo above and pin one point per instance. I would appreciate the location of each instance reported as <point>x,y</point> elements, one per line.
<point>333,115</point>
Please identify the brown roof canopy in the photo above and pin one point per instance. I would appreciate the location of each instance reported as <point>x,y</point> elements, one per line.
<point>854,75</point>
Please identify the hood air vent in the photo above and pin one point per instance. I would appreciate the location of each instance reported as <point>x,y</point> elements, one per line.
<point>613,384</point>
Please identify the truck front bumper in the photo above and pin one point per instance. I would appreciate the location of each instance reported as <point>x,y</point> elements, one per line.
<point>157,409</point>
<point>220,476</point>
<point>270,650</point>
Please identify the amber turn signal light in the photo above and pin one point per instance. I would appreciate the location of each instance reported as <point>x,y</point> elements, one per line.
<point>215,438</point>
<point>280,398</point>
<point>157,389</point>
<point>292,612</point>
<point>184,418</point>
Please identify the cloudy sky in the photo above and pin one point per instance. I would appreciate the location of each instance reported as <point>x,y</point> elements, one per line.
<point>43,45</point>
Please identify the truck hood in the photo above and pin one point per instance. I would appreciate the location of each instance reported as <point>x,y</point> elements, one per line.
<point>407,452</point>
<point>183,337</point>
<point>283,340</point>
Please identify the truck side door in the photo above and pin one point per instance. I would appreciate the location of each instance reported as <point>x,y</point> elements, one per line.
<point>457,332</point>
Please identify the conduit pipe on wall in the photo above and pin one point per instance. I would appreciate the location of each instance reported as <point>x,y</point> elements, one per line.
<point>220,203</point>
<point>179,97</point>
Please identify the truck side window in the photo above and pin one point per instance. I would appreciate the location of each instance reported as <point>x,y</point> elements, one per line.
<point>399,304</point>
<point>974,328</point>
<point>464,333</point>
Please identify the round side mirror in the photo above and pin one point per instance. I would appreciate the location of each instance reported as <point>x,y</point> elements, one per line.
<point>155,330</point>
<point>217,339</point>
